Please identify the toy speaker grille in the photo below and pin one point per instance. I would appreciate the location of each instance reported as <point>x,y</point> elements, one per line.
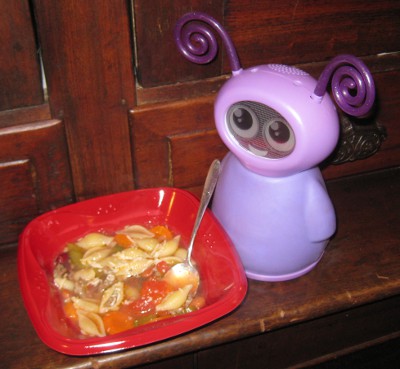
<point>260,129</point>
<point>286,69</point>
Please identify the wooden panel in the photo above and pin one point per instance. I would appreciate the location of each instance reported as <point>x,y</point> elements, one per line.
<point>154,24</point>
<point>34,172</point>
<point>87,56</point>
<point>310,342</point>
<point>288,31</point>
<point>17,198</point>
<point>191,155</point>
<point>24,115</point>
<point>19,177</point>
<point>162,138</point>
<point>303,31</point>
<point>180,362</point>
<point>20,79</point>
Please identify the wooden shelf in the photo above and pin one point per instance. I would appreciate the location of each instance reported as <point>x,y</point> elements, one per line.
<point>349,301</point>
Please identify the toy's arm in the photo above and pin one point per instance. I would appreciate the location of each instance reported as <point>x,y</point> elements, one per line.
<point>319,212</point>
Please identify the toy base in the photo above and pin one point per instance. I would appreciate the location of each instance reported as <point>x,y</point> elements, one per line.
<point>281,277</point>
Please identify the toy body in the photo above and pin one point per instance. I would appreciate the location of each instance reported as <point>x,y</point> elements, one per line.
<point>271,198</point>
<point>279,123</point>
<point>280,226</point>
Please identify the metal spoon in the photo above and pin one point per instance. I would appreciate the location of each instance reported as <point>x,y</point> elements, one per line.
<point>185,273</point>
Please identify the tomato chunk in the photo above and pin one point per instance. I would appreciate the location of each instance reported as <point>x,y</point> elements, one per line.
<point>163,267</point>
<point>151,294</point>
<point>157,289</point>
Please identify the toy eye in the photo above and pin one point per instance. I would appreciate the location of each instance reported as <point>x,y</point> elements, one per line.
<point>279,135</point>
<point>243,121</point>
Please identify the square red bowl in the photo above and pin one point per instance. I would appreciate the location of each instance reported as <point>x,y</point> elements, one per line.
<point>222,276</point>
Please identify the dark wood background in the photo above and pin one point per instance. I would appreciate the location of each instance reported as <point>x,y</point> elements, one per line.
<point>121,109</point>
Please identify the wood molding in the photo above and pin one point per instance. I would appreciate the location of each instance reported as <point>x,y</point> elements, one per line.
<point>35,172</point>
<point>87,56</point>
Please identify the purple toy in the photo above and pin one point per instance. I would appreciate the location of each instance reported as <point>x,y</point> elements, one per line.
<point>279,123</point>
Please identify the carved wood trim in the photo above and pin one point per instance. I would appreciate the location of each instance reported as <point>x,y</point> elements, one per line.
<point>24,115</point>
<point>35,174</point>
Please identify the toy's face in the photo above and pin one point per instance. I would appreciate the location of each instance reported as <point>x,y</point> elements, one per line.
<point>276,119</point>
<point>267,118</point>
<point>260,129</point>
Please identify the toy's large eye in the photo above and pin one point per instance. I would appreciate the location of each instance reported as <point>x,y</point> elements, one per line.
<point>279,135</point>
<point>243,121</point>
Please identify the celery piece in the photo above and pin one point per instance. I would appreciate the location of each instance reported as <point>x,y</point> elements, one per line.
<point>75,254</point>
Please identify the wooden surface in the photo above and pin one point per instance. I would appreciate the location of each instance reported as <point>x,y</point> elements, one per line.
<point>20,77</point>
<point>34,174</point>
<point>87,56</point>
<point>286,31</point>
<point>348,301</point>
<point>133,112</point>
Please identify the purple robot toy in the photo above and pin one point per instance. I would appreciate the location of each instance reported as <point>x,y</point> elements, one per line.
<point>279,123</point>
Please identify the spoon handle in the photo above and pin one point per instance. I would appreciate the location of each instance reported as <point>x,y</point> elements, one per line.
<point>208,190</point>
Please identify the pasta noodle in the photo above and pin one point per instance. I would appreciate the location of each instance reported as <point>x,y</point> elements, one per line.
<point>111,283</point>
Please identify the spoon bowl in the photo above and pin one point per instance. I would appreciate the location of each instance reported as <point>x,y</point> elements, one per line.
<point>186,273</point>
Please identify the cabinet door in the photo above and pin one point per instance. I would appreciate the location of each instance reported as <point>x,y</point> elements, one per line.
<point>87,57</point>
<point>64,137</point>
<point>35,174</point>
<point>34,165</point>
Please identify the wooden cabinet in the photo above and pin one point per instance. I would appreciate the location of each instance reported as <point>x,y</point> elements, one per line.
<point>35,174</point>
<point>95,99</point>
<point>87,57</point>
<point>122,109</point>
<point>20,76</point>
<point>34,163</point>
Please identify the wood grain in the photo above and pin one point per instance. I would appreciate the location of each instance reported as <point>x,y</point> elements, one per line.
<point>348,301</point>
<point>304,31</point>
<point>20,76</point>
<point>87,57</point>
<point>158,61</point>
<point>35,174</point>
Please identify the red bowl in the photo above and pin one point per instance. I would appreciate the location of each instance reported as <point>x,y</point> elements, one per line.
<point>223,279</point>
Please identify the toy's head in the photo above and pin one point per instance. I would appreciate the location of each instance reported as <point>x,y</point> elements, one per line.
<point>276,119</point>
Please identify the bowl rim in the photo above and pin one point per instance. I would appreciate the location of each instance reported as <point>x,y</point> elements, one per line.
<point>136,337</point>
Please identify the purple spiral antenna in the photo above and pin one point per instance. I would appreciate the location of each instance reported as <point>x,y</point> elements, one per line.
<point>197,43</point>
<point>352,84</point>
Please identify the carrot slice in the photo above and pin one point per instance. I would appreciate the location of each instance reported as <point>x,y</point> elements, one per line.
<point>123,240</point>
<point>70,310</point>
<point>197,303</point>
<point>162,232</point>
<point>116,322</point>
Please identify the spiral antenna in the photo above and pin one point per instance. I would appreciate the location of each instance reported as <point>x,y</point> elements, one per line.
<point>197,42</point>
<point>352,85</point>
